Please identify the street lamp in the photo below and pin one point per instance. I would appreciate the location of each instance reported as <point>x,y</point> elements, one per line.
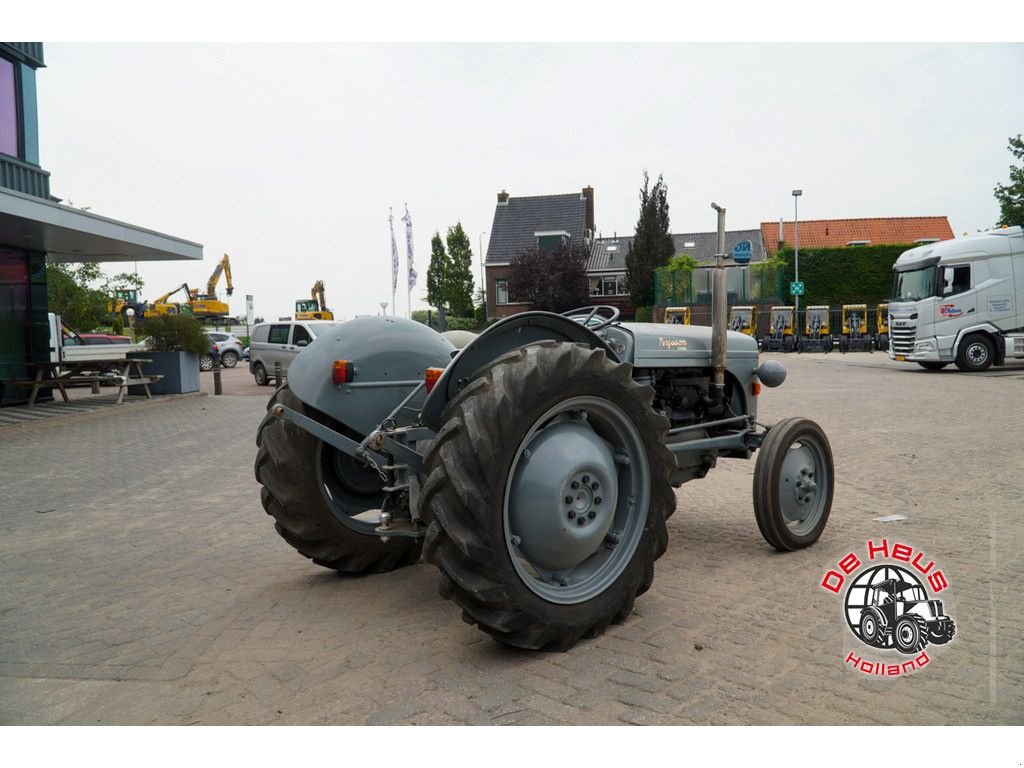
<point>131,321</point>
<point>796,254</point>
<point>483,292</point>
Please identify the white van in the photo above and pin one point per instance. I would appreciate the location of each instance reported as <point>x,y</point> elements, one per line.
<point>280,342</point>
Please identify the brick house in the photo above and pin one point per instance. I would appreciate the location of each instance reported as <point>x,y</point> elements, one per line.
<point>542,221</point>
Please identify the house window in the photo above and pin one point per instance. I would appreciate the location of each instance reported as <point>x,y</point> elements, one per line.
<point>500,290</point>
<point>608,285</point>
<point>856,243</point>
<point>8,109</point>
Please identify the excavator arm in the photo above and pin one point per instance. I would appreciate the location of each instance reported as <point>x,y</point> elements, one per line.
<point>317,294</point>
<point>223,266</point>
<point>163,299</point>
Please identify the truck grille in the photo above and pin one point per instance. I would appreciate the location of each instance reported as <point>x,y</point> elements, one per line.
<point>902,338</point>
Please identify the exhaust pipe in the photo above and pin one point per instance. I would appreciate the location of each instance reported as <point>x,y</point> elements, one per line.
<point>718,313</point>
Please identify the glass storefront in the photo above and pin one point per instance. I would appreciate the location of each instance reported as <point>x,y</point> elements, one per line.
<point>24,332</point>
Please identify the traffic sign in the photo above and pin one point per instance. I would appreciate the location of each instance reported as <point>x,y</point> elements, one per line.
<point>741,252</point>
<point>796,289</point>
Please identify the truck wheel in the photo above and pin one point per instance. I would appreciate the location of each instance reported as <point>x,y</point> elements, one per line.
<point>793,483</point>
<point>932,366</point>
<point>260,374</point>
<point>870,628</point>
<point>910,633</point>
<point>295,469</point>
<point>976,354</point>
<point>548,488</point>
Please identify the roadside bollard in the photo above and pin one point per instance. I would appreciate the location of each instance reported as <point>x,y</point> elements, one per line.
<point>277,374</point>
<point>217,389</point>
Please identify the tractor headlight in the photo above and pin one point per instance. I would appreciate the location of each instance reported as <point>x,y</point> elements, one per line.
<point>771,373</point>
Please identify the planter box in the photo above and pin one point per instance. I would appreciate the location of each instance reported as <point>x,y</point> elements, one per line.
<point>180,371</point>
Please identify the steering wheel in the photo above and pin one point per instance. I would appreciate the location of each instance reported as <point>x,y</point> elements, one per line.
<point>605,315</point>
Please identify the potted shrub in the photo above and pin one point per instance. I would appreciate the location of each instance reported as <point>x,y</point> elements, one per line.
<point>174,344</point>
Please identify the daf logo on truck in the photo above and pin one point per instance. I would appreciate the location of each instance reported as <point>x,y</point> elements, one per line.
<point>959,301</point>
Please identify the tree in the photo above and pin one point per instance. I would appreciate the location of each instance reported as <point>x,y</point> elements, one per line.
<point>70,295</point>
<point>554,280</point>
<point>460,276</point>
<point>438,276</point>
<point>1011,196</point>
<point>652,244</point>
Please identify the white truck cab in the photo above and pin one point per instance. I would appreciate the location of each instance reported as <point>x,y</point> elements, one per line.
<point>960,301</point>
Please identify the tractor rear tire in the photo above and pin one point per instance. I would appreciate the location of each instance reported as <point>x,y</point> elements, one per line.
<point>910,633</point>
<point>548,489</point>
<point>286,467</point>
<point>794,479</point>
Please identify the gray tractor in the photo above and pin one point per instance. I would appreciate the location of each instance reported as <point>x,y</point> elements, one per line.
<point>534,467</point>
<point>900,613</point>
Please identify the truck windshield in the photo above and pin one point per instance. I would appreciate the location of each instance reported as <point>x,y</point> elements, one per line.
<point>914,285</point>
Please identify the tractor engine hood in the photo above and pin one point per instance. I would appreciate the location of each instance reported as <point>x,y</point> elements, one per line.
<point>658,345</point>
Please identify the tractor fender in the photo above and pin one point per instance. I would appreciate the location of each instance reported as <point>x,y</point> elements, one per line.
<point>504,336</point>
<point>389,356</point>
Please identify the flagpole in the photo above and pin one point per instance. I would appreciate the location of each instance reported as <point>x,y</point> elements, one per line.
<point>394,261</point>
<point>394,271</point>
<point>408,256</point>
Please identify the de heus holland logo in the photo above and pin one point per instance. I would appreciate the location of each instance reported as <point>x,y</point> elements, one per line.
<point>888,607</point>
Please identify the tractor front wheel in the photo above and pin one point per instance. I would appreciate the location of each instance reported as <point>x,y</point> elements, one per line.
<point>549,487</point>
<point>941,636</point>
<point>323,502</point>
<point>793,483</point>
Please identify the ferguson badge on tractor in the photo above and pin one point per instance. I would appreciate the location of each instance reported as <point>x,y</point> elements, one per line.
<point>535,467</point>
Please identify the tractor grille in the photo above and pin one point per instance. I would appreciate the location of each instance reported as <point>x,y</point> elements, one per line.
<point>902,338</point>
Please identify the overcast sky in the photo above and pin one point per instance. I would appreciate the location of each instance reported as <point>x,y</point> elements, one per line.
<point>288,157</point>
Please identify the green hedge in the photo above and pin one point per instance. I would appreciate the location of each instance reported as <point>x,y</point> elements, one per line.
<point>851,275</point>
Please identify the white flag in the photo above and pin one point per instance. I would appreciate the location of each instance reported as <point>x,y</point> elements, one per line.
<point>394,252</point>
<point>408,242</point>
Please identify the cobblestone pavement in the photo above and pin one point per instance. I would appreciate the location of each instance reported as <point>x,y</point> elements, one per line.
<point>141,582</point>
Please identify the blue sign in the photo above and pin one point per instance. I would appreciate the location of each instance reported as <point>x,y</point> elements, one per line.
<point>796,289</point>
<point>741,252</point>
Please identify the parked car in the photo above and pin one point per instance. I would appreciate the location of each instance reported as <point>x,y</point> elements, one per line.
<point>230,347</point>
<point>208,360</point>
<point>245,354</point>
<point>281,342</point>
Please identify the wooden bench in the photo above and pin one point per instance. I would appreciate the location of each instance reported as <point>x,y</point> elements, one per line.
<point>82,373</point>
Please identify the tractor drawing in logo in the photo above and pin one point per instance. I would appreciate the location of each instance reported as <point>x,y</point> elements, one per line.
<point>900,612</point>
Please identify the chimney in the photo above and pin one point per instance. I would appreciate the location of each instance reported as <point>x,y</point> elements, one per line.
<point>588,195</point>
<point>503,197</point>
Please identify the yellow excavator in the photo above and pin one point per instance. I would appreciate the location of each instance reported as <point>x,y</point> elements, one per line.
<point>205,306</point>
<point>315,307</point>
<point>163,305</point>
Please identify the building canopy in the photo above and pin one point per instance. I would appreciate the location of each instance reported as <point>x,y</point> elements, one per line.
<point>67,234</point>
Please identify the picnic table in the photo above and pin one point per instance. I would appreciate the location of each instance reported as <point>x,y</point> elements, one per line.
<point>71,373</point>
